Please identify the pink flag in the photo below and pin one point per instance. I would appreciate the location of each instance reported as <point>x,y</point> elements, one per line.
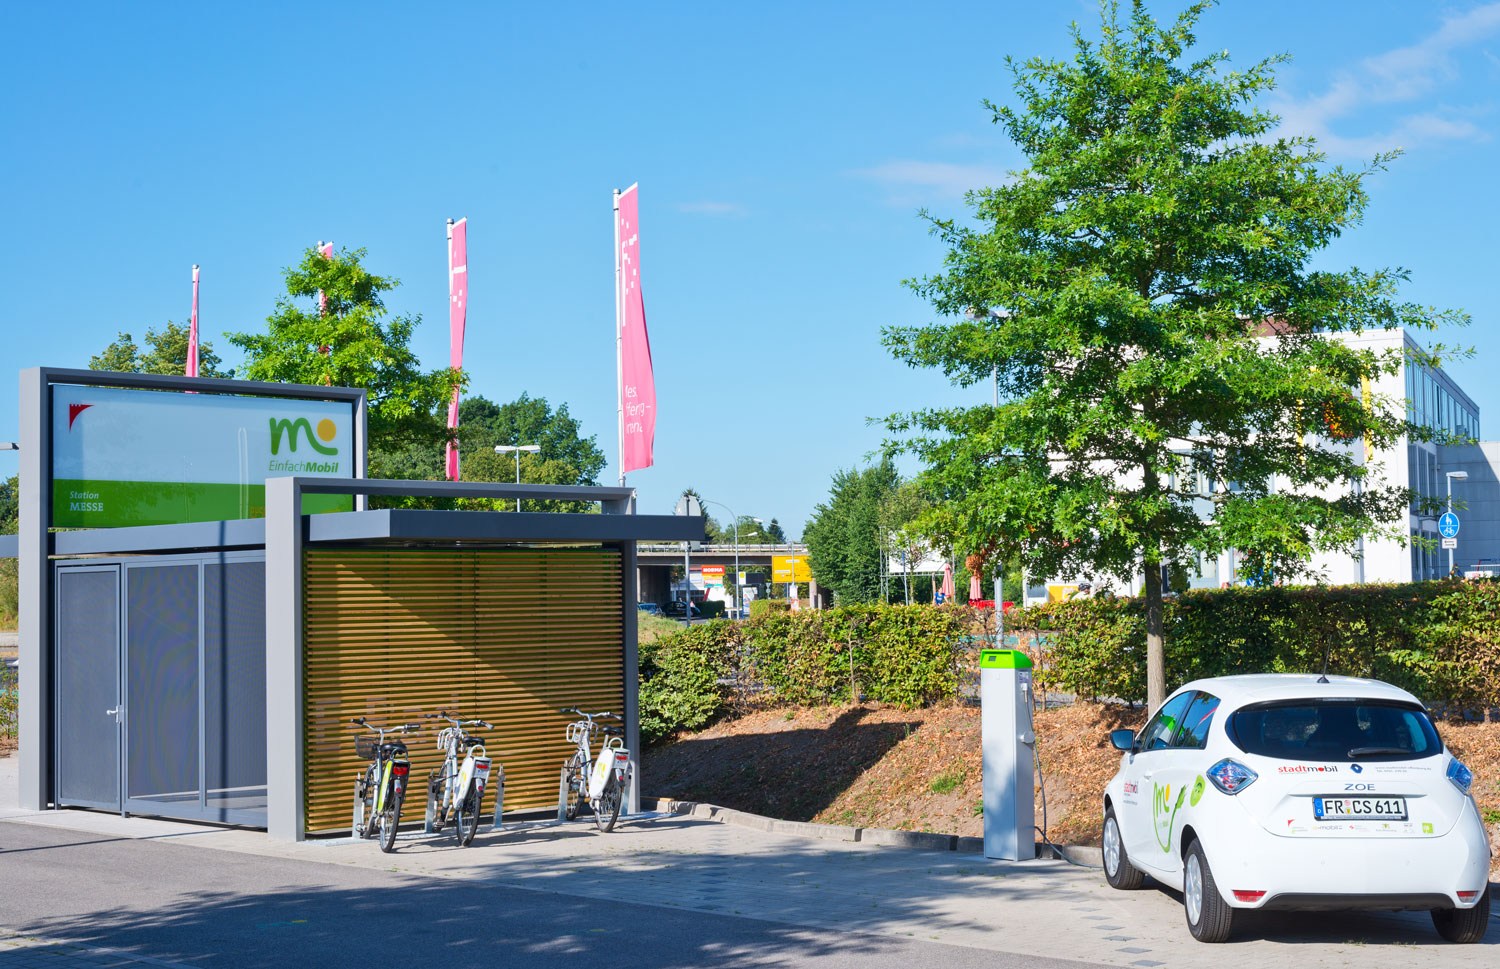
<point>637,384</point>
<point>327,250</point>
<point>192,351</point>
<point>458,303</point>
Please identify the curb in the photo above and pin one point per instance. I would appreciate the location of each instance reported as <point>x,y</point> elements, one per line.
<point>885,837</point>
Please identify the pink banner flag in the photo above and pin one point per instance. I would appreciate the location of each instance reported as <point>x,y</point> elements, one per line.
<point>326,248</point>
<point>192,351</point>
<point>458,304</point>
<point>637,383</point>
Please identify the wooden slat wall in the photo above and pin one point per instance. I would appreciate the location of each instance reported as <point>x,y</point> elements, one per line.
<point>504,635</point>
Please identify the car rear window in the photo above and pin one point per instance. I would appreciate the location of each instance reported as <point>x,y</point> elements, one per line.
<point>1334,730</point>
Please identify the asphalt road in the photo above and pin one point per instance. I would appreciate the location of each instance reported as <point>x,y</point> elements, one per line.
<point>209,908</point>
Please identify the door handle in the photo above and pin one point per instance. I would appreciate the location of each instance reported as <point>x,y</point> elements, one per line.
<point>112,713</point>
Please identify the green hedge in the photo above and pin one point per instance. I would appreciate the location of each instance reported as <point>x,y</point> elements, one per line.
<point>1439,640</point>
<point>906,655</point>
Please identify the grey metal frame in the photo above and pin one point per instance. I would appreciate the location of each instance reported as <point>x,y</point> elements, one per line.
<point>287,531</point>
<point>126,804</point>
<point>34,543</point>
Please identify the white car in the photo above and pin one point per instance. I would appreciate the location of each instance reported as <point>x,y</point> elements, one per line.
<point>1286,791</point>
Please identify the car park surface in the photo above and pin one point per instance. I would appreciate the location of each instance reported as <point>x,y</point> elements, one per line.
<point>1287,791</point>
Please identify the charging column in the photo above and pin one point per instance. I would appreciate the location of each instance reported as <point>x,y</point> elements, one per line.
<point>1008,740</point>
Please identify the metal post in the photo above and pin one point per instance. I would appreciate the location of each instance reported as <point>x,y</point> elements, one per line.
<point>620,349</point>
<point>518,476</point>
<point>687,582</point>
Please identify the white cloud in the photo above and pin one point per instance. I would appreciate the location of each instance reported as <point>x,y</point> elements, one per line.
<point>1400,76</point>
<point>718,209</point>
<point>913,180</point>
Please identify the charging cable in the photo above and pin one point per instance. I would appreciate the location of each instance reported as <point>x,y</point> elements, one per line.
<point>1041,781</point>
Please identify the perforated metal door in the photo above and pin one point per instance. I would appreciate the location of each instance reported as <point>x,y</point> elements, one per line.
<point>88,687</point>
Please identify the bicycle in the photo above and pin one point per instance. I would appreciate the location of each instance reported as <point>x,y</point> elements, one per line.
<point>609,778</point>
<point>379,793</point>
<point>456,791</point>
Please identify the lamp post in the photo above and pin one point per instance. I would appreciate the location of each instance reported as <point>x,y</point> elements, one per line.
<point>1452,477</point>
<point>517,449</point>
<point>736,554</point>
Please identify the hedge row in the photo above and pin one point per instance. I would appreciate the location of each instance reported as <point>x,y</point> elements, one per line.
<point>906,655</point>
<point>1438,640</point>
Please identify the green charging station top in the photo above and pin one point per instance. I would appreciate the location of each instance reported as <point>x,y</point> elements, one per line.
<point>1005,659</point>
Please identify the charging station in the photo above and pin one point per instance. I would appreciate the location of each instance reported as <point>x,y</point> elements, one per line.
<point>1008,740</point>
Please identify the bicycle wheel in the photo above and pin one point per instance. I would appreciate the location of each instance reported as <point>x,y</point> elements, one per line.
<point>608,810</point>
<point>362,806</point>
<point>578,767</point>
<point>390,819</point>
<point>467,821</point>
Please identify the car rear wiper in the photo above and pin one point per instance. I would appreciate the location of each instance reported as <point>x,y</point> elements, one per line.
<point>1377,751</point>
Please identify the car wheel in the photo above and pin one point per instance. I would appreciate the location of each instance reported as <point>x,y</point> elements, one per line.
<point>1118,870</point>
<point>1463,924</point>
<point>1209,917</point>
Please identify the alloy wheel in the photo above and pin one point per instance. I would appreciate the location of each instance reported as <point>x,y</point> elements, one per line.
<point>1192,889</point>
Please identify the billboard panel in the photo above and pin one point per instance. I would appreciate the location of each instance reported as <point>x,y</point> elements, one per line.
<point>145,457</point>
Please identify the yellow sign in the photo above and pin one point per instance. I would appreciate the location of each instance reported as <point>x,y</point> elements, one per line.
<point>1060,593</point>
<point>790,568</point>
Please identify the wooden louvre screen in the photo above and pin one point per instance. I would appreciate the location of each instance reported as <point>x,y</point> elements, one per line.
<point>504,635</point>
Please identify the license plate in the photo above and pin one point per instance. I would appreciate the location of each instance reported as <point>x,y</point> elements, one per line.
<point>1359,808</point>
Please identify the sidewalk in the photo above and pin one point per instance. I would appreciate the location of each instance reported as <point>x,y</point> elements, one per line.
<point>1041,907</point>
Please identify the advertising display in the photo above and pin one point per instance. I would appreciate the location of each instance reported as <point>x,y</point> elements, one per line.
<point>145,457</point>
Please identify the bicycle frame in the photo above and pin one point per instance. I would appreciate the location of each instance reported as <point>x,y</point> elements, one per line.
<point>466,766</point>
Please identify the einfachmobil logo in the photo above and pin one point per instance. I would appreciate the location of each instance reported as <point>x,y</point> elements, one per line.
<point>289,428</point>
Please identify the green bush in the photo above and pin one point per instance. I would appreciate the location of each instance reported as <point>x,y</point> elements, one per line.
<point>1439,640</point>
<point>906,655</point>
<point>9,696</point>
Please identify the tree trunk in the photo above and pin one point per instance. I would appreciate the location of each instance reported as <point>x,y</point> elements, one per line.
<point>1156,689</point>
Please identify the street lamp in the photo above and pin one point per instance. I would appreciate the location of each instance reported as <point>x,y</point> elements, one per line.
<point>1452,477</point>
<point>517,449</point>
<point>738,605</point>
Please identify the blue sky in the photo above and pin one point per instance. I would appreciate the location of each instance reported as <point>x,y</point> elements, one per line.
<point>783,150</point>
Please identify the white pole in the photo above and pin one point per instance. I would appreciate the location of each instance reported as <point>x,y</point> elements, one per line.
<point>518,476</point>
<point>620,352</point>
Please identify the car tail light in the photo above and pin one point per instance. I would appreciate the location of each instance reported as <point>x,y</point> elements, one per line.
<point>1460,775</point>
<point>1230,776</point>
<point>1243,896</point>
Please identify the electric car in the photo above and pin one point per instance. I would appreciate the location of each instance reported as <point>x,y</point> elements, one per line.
<point>1285,791</point>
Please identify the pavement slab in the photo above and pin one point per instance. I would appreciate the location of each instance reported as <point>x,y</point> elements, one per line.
<point>1043,908</point>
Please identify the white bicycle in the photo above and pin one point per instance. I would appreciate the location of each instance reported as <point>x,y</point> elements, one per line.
<point>455,792</point>
<point>603,786</point>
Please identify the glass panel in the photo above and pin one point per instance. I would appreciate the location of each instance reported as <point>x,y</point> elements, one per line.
<point>234,680</point>
<point>1197,720</point>
<point>162,672</point>
<point>1163,726</point>
<point>88,684</point>
<point>1335,730</point>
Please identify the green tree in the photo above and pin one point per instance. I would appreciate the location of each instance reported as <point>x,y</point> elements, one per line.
<point>354,345</point>
<point>1164,333</point>
<point>167,354</point>
<point>776,532</point>
<point>482,424</point>
<point>10,505</point>
<point>843,536</point>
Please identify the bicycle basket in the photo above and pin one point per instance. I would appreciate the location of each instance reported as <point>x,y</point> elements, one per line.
<point>366,747</point>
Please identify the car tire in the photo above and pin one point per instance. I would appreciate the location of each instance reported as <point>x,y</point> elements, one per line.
<point>1464,924</point>
<point>1118,870</point>
<point>1209,917</point>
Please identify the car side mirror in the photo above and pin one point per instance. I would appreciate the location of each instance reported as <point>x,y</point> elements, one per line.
<point>1122,739</point>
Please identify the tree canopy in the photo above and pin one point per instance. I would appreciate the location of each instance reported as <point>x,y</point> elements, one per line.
<point>566,456</point>
<point>166,354</point>
<point>843,536</point>
<point>353,344</point>
<point>1171,382</point>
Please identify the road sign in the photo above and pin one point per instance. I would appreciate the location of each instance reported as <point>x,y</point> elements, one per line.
<point>1450,543</point>
<point>1448,525</point>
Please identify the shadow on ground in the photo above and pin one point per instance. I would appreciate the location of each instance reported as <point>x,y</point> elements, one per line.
<point>789,774</point>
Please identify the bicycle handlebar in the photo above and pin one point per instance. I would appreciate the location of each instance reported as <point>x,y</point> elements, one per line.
<point>399,728</point>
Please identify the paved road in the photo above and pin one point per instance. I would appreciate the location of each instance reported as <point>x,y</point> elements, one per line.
<point>151,901</point>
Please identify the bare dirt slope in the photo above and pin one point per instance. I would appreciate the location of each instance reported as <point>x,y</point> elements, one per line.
<point>883,767</point>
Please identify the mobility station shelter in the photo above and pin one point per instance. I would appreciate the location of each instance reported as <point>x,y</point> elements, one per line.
<point>226,601</point>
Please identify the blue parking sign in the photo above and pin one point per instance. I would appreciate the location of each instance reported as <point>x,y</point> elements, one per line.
<point>1448,525</point>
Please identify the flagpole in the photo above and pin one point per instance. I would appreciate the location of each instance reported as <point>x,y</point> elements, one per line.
<point>192,354</point>
<point>451,446</point>
<point>619,345</point>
